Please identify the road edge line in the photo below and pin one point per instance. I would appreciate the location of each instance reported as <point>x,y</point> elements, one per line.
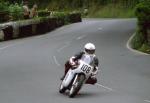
<point>128,45</point>
<point>104,87</point>
<point>147,101</point>
<point>56,62</point>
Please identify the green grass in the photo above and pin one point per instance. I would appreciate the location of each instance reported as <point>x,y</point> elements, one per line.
<point>145,48</point>
<point>111,11</point>
<point>96,11</point>
<point>138,43</point>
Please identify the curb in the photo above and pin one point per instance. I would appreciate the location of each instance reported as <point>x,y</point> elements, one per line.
<point>128,45</point>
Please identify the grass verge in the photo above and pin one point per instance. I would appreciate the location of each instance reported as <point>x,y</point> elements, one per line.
<point>145,48</point>
<point>138,43</point>
<point>111,11</point>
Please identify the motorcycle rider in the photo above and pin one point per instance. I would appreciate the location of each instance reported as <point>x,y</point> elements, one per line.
<point>88,56</point>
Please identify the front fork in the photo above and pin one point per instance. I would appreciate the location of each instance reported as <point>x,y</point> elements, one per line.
<point>68,78</point>
<point>75,80</point>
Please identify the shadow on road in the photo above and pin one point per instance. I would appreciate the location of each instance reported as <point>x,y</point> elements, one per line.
<point>91,94</point>
<point>84,94</point>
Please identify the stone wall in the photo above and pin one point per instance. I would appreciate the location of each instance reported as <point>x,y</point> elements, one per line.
<point>32,27</point>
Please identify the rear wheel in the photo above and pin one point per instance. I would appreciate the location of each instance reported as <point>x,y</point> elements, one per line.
<point>77,86</point>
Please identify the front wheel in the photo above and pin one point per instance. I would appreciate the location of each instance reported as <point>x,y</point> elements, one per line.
<point>62,89</point>
<point>76,86</point>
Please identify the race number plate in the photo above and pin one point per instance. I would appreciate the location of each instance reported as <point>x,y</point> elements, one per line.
<point>85,68</point>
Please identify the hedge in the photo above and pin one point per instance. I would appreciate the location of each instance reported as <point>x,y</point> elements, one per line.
<point>142,12</point>
<point>43,13</point>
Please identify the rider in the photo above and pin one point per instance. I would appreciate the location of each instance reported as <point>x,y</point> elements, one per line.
<point>88,56</point>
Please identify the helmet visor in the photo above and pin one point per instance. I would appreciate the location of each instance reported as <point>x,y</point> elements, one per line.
<point>90,51</point>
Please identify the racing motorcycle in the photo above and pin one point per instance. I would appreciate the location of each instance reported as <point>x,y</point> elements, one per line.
<point>76,77</point>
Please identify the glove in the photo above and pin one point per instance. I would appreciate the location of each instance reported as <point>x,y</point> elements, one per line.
<point>71,61</point>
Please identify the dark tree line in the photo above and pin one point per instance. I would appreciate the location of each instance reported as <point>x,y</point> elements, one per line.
<point>80,3</point>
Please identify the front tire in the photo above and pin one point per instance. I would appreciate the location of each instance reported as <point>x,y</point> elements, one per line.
<point>62,89</point>
<point>78,84</point>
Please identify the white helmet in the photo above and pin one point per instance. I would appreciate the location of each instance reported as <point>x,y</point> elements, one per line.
<point>89,48</point>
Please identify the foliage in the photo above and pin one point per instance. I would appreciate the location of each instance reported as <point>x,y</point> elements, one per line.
<point>4,14</point>
<point>140,41</point>
<point>61,15</point>
<point>110,11</point>
<point>142,11</point>
<point>145,48</point>
<point>16,11</point>
<point>4,6</point>
<point>61,4</point>
<point>137,40</point>
<point>96,8</point>
<point>126,9</point>
<point>78,3</point>
<point>42,13</point>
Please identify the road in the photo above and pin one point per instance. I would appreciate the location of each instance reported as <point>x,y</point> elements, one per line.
<point>30,68</point>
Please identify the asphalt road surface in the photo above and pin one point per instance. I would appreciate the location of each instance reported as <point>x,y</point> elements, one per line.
<point>30,68</point>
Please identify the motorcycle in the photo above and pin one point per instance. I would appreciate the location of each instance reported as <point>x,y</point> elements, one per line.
<point>75,78</point>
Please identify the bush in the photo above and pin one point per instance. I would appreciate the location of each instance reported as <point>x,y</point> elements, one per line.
<point>137,40</point>
<point>43,13</point>
<point>4,14</point>
<point>145,48</point>
<point>142,12</point>
<point>140,41</point>
<point>61,15</point>
<point>58,14</point>
<point>16,11</point>
<point>4,7</point>
<point>75,17</point>
<point>111,11</point>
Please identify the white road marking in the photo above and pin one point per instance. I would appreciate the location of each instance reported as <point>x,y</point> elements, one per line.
<point>2,48</point>
<point>81,37</point>
<point>147,101</point>
<point>104,87</point>
<point>66,45</point>
<point>56,62</point>
<point>39,37</point>
<point>128,45</point>
<point>12,45</point>
<point>100,28</point>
